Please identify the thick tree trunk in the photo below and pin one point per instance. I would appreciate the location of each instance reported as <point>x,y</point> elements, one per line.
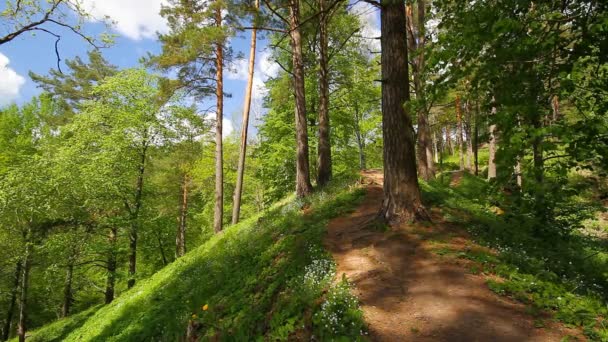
<point>324,171</point>
<point>25,278</point>
<point>12,303</point>
<point>238,190</point>
<point>303,185</point>
<point>417,42</point>
<point>360,140</point>
<point>401,191</point>
<point>492,146</point>
<point>180,237</point>
<point>111,266</point>
<point>219,153</point>
<point>68,297</point>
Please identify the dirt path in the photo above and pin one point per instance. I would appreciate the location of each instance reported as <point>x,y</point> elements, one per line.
<point>409,293</point>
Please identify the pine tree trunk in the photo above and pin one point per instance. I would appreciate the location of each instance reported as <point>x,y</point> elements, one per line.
<point>492,146</point>
<point>426,167</point>
<point>111,266</point>
<point>219,153</point>
<point>401,191</point>
<point>324,170</point>
<point>476,139</point>
<point>25,278</point>
<point>436,149</point>
<point>12,303</point>
<point>469,134</point>
<point>360,141</point>
<point>303,185</point>
<point>238,190</point>
<point>459,137</point>
<point>134,214</point>
<point>67,290</point>
<point>180,239</point>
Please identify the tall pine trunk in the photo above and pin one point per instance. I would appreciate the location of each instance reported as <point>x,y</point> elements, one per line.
<point>492,145</point>
<point>12,303</point>
<point>360,140</point>
<point>459,136</point>
<point>238,190</point>
<point>134,213</point>
<point>180,237</point>
<point>401,191</point>
<point>324,171</point>
<point>25,278</point>
<point>219,153</point>
<point>303,185</point>
<point>68,297</point>
<point>111,266</point>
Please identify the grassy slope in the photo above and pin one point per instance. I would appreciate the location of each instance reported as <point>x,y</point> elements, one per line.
<point>563,276</point>
<point>58,330</point>
<point>251,277</point>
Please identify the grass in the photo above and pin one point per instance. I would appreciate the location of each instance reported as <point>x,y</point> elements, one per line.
<point>58,330</point>
<point>267,278</point>
<point>566,276</point>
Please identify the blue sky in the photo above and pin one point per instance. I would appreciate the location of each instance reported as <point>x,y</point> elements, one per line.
<point>136,24</point>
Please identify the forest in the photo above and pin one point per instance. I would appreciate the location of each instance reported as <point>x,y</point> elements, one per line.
<point>410,170</point>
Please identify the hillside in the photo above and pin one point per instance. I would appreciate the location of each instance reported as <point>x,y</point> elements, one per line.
<point>264,277</point>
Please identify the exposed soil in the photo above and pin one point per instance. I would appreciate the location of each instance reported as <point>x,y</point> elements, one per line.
<point>409,293</point>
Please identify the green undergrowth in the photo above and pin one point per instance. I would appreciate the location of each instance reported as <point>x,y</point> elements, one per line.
<point>563,275</point>
<point>58,330</point>
<point>267,278</point>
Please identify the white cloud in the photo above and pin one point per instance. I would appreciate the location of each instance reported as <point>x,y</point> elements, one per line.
<point>265,68</point>
<point>227,126</point>
<point>368,16</point>
<point>238,70</point>
<point>10,82</point>
<point>135,19</point>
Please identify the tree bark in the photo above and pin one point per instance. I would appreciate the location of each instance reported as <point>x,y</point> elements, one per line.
<point>180,239</point>
<point>360,140</point>
<point>111,266</point>
<point>25,278</point>
<point>492,146</point>
<point>401,191</point>
<point>134,213</point>
<point>238,190</point>
<point>417,42</point>
<point>303,185</point>
<point>469,134</point>
<point>459,137</point>
<point>219,153</point>
<point>6,332</point>
<point>68,297</point>
<point>476,139</point>
<point>324,170</point>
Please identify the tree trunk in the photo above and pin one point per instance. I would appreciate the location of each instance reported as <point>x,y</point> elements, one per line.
<point>238,190</point>
<point>68,297</point>
<point>25,278</point>
<point>448,140</point>
<point>469,134</point>
<point>492,146</point>
<point>459,137</point>
<point>476,139</point>
<point>436,149</point>
<point>303,185</point>
<point>324,171</point>
<point>12,303</point>
<point>417,42</point>
<point>219,153</point>
<point>360,140</point>
<point>180,237</point>
<point>111,266</point>
<point>135,214</point>
<point>401,191</point>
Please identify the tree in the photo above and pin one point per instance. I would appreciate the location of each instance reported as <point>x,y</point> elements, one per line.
<point>197,47</point>
<point>238,191</point>
<point>32,16</point>
<point>402,201</point>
